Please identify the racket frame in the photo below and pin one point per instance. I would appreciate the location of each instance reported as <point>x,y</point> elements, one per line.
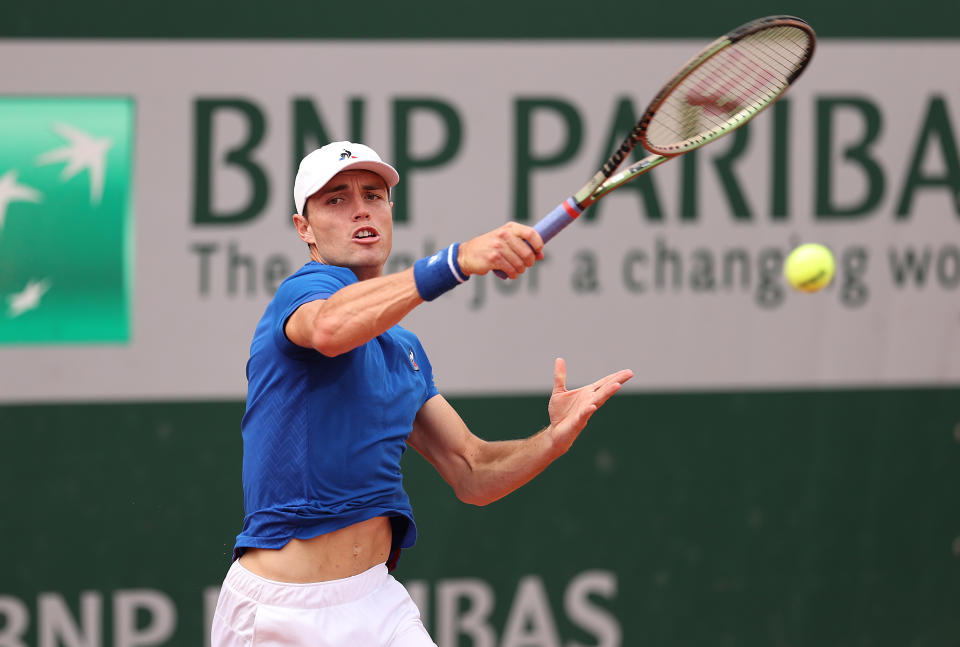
<point>605,180</point>
<point>608,178</point>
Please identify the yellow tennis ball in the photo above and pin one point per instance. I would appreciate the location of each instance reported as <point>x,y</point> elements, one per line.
<point>809,267</point>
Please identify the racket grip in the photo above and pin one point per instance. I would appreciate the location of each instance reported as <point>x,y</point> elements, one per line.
<point>551,224</point>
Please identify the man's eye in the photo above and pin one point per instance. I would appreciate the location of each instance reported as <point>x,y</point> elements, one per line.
<point>335,200</point>
<point>374,196</point>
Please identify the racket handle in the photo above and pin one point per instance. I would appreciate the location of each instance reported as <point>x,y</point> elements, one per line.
<point>551,224</point>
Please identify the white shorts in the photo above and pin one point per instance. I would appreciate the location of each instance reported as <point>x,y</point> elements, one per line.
<point>369,609</point>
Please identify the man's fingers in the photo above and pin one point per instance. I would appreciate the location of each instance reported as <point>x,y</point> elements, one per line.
<point>531,237</point>
<point>559,375</point>
<point>619,377</point>
<point>521,245</point>
<point>611,383</point>
<point>602,390</point>
<point>604,393</point>
<point>522,241</point>
<point>510,248</point>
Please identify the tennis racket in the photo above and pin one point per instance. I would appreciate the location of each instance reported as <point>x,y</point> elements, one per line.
<point>720,89</point>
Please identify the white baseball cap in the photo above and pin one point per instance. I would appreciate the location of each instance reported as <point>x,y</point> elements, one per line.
<point>319,167</point>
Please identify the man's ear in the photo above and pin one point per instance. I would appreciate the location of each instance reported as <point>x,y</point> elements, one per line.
<point>303,229</point>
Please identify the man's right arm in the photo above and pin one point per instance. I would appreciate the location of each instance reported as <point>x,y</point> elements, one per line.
<point>359,312</point>
<point>353,315</point>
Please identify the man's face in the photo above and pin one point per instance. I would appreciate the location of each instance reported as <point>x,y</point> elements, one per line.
<point>350,223</point>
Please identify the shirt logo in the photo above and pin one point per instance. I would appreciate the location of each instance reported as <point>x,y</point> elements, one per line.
<point>413,360</point>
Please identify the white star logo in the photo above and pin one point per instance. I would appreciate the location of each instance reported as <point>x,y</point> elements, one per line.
<point>28,298</point>
<point>85,153</point>
<point>11,191</point>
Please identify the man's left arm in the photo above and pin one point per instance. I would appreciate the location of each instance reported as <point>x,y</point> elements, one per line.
<point>480,471</point>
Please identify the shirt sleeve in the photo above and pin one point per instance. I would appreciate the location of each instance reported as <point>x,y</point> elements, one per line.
<point>427,368</point>
<point>301,288</point>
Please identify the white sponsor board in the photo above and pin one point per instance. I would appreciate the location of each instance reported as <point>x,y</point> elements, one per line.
<point>688,295</point>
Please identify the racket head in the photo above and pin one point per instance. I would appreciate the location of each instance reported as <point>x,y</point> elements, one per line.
<point>727,84</point>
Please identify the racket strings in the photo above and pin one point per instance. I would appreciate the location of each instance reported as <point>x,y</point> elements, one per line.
<point>728,88</point>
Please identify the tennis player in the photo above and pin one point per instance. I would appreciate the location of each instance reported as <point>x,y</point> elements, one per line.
<point>337,391</point>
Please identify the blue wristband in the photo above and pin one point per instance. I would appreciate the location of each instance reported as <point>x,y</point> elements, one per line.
<point>436,274</point>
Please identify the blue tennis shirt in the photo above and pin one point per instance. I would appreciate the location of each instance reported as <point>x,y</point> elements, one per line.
<point>323,436</point>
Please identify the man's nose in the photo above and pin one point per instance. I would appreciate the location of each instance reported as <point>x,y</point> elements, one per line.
<point>361,214</point>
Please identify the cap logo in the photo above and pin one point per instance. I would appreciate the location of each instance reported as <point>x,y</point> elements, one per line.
<point>345,154</point>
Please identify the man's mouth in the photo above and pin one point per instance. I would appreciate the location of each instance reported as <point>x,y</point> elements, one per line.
<point>366,234</point>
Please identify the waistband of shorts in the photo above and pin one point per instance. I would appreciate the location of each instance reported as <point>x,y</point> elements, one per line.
<point>302,596</point>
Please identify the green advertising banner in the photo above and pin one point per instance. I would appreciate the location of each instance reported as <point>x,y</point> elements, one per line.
<point>66,219</point>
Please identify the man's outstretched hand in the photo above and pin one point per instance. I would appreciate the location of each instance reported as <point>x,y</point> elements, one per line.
<point>569,411</point>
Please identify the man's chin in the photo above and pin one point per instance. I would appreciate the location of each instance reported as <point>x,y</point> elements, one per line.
<point>366,266</point>
<point>366,258</point>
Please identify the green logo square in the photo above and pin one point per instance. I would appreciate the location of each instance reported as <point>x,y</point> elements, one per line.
<point>66,223</point>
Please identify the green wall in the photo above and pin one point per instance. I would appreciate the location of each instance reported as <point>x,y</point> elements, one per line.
<point>803,518</point>
<point>444,19</point>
